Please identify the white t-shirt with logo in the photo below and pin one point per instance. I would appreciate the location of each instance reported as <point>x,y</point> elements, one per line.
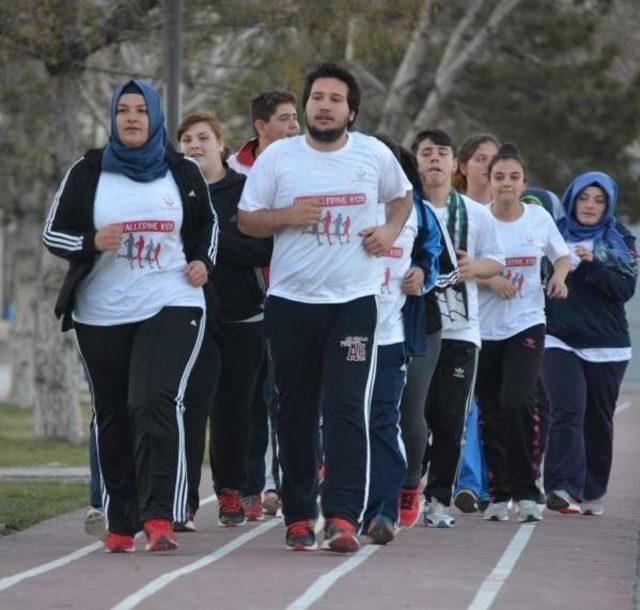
<point>395,263</point>
<point>325,262</point>
<point>482,242</point>
<point>526,241</point>
<point>147,273</point>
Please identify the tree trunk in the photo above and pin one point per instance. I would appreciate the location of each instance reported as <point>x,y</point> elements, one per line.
<point>22,337</point>
<point>57,405</point>
<point>403,85</point>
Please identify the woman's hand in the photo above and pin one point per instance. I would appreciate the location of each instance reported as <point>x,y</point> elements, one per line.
<point>584,254</point>
<point>556,288</point>
<point>109,238</point>
<point>196,273</point>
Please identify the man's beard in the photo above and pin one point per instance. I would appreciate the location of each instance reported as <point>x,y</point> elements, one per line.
<point>326,135</point>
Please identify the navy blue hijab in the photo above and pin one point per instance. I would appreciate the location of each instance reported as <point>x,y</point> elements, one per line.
<point>147,162</point>
<point>605,230</point>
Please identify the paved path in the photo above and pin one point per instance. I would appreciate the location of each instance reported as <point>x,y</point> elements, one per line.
<point>562,562</point>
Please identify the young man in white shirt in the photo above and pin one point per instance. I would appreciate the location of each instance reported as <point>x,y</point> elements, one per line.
<point>273,117</point>
<point>479,256</point>
<point>321,312</point>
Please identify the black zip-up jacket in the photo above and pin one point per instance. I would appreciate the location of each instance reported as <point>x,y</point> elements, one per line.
<point>69,231</point>
<point>239,285</point>
<point>593,314</point>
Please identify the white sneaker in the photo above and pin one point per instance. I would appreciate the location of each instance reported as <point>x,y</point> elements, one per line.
<point>529,511</point>
<point>94,523</point>
<point>437,515</point>
<point>592,507</point>
<point>497,511</point>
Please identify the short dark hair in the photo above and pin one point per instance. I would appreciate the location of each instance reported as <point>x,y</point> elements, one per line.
<point>437,136</point>
<point>329,70</point>
<point>265,104</point>
<point>505,152</point>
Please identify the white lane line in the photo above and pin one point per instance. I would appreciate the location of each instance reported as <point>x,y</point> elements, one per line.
<point>493,583</point>
<point>326,581</point>
<point>162,581</point>
<point>10,581</point>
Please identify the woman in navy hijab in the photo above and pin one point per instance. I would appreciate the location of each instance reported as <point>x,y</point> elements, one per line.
<point>135,222</point>
<point>587,346</point>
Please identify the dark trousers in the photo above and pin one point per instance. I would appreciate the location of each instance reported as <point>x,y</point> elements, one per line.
<point>388,457</point>
<point>582,397</point>
<point>95,491</point>
<point>264,413</point>
<point>413,423</point>
<point>508,372</point>
<point>242,348</point>
<point>446,408</point>
<point>198,401</point>
<point>138,376</point>
<point>323,354</point>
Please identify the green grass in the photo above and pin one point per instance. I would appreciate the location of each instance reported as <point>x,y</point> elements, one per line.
<point>18,447</point>
<point>23,504</point>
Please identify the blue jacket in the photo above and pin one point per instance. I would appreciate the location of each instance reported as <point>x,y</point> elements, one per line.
<point>425,254</point>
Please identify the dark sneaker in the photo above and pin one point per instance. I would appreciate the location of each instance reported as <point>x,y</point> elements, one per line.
<point>231,508</point>
<point>160,536</point>
<point>118,543</point>
<point>300,536</point>
<point>465,501</point>
<point>381,530</point>
<point>253,507</point>
<point>340,536</point>
<point>563,502</point>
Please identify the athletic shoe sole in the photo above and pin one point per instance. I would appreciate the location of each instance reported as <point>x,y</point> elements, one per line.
<point>381,532</point>
<point>120,549</point>
<point>529,519</point>
<point>301,547</point>
<point>555,502</point>
<point>162,543</point>
<point>232,524</point>
<point>342,543</point>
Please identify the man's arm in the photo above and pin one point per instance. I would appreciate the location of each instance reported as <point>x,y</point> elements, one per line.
<point>304,212</point>
<point>378,240</point>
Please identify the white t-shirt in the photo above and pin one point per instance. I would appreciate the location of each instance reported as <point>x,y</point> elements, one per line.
<point>147,273</point>
<point>591,354</point>
<point>482,242</point>
<point>325,263</point>
<point>396,263</point>
<point>526,241</point>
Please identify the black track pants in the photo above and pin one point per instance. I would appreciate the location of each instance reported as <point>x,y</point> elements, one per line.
<point>138,375</point>
<point>328,351</point>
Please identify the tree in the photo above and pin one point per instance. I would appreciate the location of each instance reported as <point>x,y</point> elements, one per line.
<point>62,36</point>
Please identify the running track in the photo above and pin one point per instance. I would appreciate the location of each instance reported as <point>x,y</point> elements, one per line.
<point>563,562</point>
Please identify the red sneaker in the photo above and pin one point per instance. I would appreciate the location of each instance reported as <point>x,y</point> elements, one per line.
<point>231,508</point>
<point>118,543</point>
<point>160,535</point>
<point>340,536</point>
<point>409,506</point>
<point>253,507</point>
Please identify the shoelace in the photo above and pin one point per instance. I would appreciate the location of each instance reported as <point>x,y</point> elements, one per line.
<point>298,528</point>
<point>407,499</point>
<point>230,503</point>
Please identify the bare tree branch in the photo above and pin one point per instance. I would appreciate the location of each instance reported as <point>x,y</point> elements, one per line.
<point>447,73</point>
